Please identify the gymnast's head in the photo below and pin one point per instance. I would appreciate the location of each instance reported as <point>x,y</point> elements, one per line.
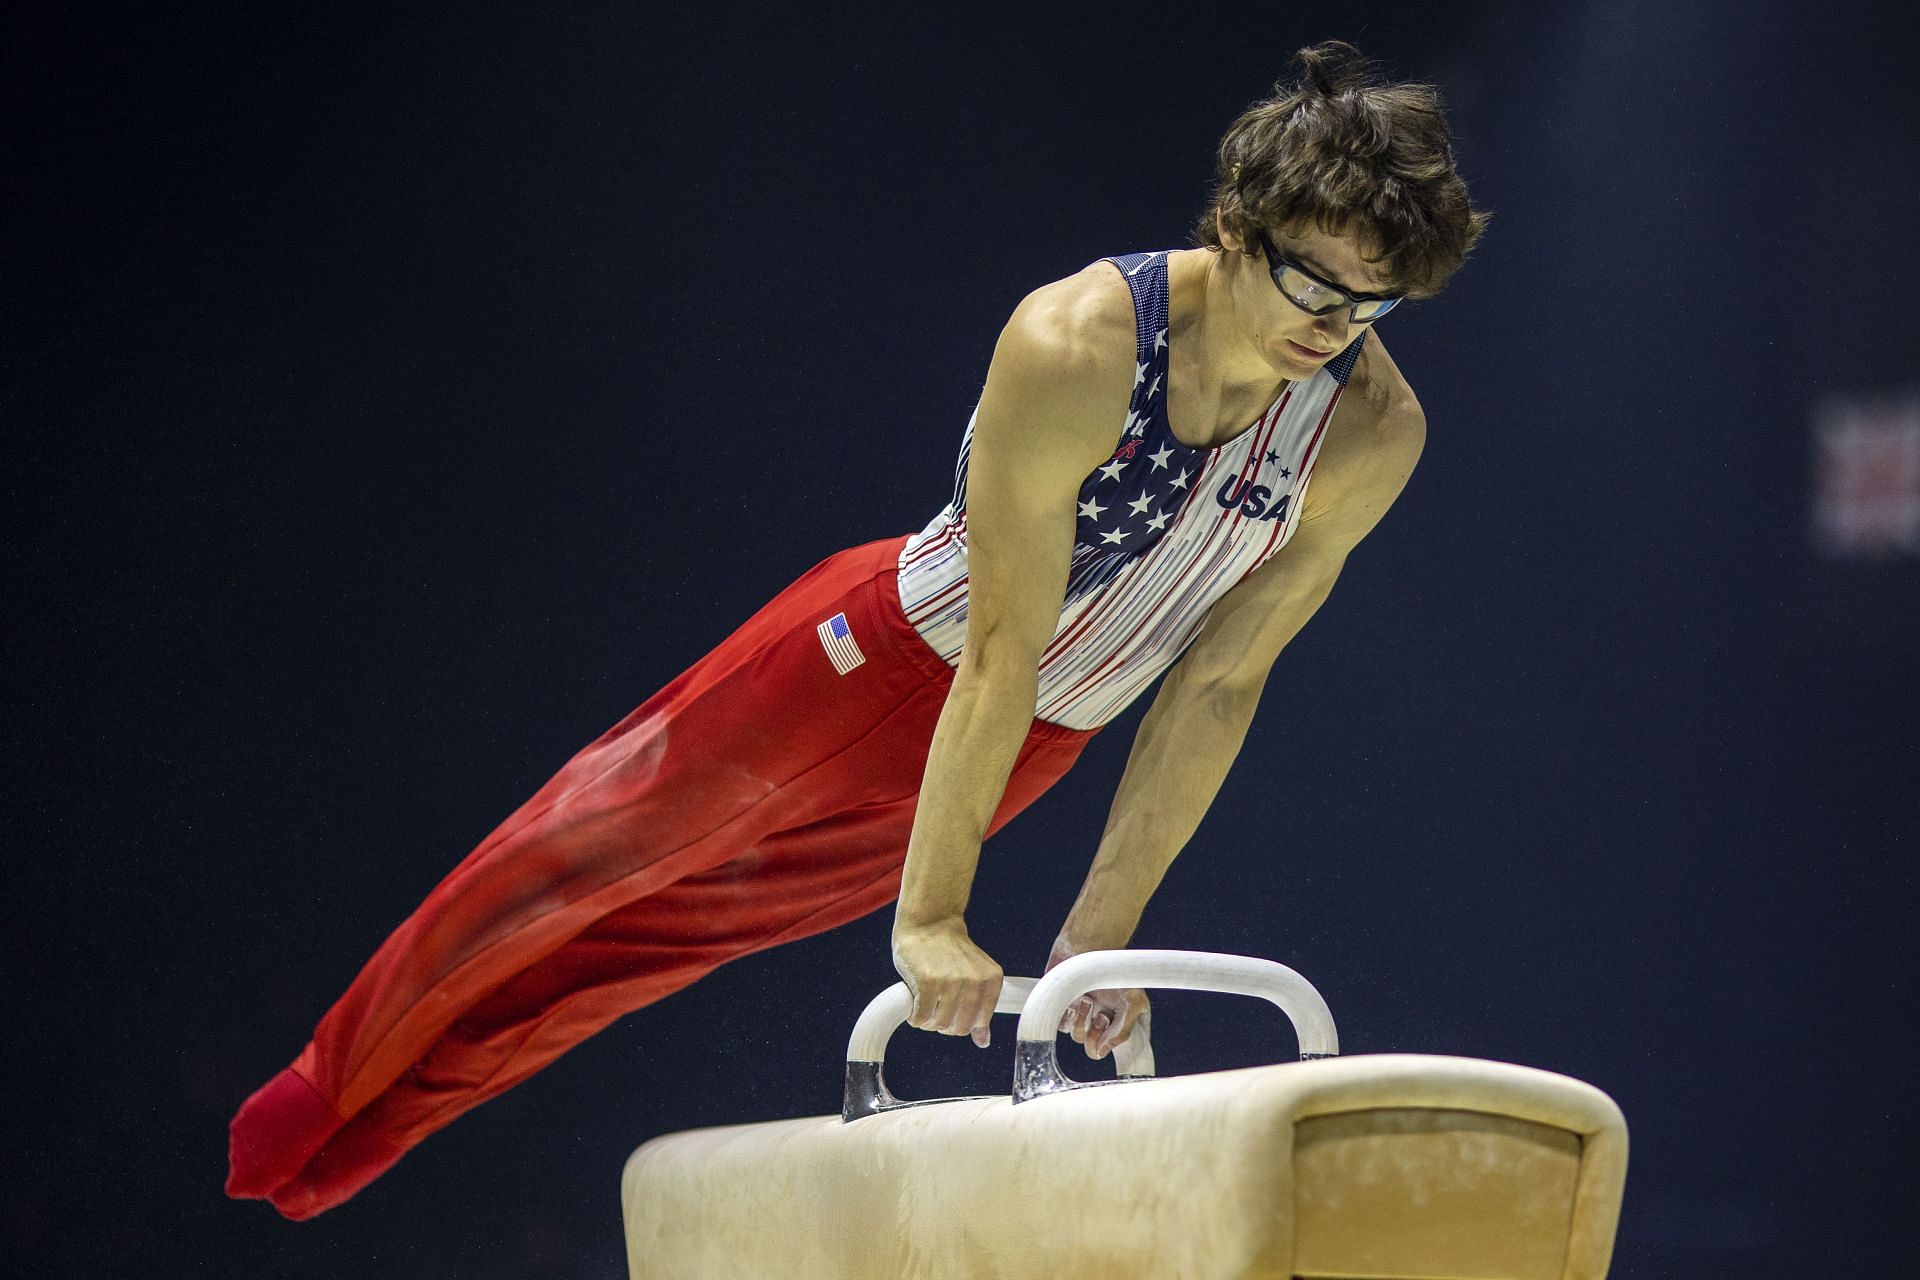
<point>1341,154</point>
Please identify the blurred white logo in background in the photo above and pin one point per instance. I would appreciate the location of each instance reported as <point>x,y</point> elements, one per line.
<point>1866,476</point>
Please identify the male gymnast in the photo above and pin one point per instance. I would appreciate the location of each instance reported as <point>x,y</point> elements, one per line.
<point>1171,459</point>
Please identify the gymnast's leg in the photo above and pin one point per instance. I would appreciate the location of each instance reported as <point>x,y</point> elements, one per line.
<point>791,885</point>
<point>701,771</point>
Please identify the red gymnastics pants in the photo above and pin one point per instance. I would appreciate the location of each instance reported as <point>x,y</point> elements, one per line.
<point>760,798</point>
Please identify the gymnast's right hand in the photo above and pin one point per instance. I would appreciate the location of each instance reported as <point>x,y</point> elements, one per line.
<point>955,984</point>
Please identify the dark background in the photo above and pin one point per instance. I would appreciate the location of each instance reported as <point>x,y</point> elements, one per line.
<point>398,395</point>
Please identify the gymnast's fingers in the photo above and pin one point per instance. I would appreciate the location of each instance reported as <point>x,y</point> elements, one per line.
<point>1097,1034</point>
<point>1120,1016</point>
<point>984,994</point>
<point>1075,1022</point>
<point>924,1008</point>
<point>949,1017</point>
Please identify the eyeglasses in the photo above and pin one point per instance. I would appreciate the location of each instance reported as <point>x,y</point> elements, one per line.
<point>1318,297</point>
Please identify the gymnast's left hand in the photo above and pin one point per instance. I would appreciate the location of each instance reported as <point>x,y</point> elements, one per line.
<point>1101,1020</point>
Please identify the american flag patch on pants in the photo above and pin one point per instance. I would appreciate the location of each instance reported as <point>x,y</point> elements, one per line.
<point>838,641</point>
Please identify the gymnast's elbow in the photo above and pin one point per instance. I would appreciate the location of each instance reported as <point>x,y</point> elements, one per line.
<point>1002,663</point>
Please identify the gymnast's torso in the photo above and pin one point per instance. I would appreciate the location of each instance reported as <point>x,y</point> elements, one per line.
<point>1165,527</point>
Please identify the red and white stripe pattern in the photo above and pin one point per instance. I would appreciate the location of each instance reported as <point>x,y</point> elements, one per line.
<point>1113,641</point>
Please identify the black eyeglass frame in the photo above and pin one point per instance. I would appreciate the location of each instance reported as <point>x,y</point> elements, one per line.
<point>1278,262</point>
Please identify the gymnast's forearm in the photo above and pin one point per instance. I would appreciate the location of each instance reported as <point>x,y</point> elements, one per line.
<point>987,715</point>
<point>1186,743</point>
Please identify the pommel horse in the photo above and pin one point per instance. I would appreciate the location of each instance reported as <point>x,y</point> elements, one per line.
<point>1368,1167</point>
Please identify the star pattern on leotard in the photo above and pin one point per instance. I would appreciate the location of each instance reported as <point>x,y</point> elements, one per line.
<point>1154,484</point>
<point>1137,492</point>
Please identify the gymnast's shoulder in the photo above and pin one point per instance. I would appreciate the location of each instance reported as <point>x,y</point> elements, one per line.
<point>1080,326</point>
<point>1061,375</point>
<point>1373,443</point>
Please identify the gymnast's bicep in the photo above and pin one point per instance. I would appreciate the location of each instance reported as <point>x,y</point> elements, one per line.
<point>1051,412</point>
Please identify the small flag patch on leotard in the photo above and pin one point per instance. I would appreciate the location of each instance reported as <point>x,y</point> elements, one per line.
<point>838,642</point>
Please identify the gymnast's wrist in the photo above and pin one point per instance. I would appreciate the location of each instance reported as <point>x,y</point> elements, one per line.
<point>1073,940</point>
<point>926,923</point>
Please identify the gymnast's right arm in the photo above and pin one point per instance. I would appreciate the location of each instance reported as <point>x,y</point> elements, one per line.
<point>1055,392</point>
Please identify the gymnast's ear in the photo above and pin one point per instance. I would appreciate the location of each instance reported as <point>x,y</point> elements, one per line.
<point>1228,240</point>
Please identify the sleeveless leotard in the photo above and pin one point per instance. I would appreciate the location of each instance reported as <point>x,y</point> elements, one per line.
<point>1164,530</point>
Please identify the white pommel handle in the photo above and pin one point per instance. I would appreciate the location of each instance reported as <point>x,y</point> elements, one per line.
<point>866,1091</point>
<point>1183,971</point>
<point>889,1011</point>
<point>1042,1003</point>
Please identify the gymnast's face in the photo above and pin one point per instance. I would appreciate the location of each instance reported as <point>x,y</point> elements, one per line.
<point>1294,340</point>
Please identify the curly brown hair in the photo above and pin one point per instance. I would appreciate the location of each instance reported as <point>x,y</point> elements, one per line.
<point>1340,148</point>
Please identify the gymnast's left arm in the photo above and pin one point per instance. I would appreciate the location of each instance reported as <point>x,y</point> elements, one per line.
<point>1199,719</point>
